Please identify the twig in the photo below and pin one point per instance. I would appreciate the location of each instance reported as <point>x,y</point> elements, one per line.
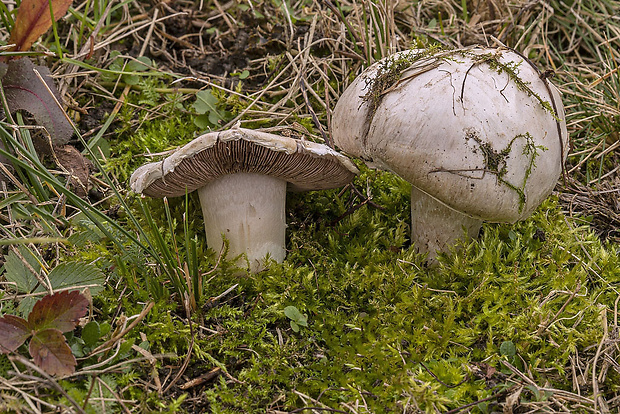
<point>132,325</point>
<point>352,209</point>
<point>49,379</point>
<point>118,398</point>
<point>595,389</point>
<point>201,379</point>
<point>333,410</point>
<point>328,139</point>
<point>544,326</point>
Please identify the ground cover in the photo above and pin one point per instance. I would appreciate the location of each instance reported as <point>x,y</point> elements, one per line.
<point>522,320</point>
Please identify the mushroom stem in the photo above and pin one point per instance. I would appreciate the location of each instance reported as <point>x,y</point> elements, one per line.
<point>248,210</point>
<point>436,227</point>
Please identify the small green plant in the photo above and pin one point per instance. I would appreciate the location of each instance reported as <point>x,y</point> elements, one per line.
<point>51,316</point>
<point>206,108</point>
<point>242,75</point>
<point>508,349</point>
<point>297,318</point>
<point>20,263</point>
<point>91,333</point>
<point>129,70</point>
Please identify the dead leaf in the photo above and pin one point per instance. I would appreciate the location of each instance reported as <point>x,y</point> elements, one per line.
<point>61,311</point>
<point>77,165</point>
<point>34,19</point>
<point>13,333</point>
<point>25,91</point>
<point>50,351</point>
<point>512,400</point>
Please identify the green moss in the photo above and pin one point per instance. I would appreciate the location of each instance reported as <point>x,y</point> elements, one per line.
<point>375,314</point>
<point>381,326</point>
<point>131,146</point>
<point>495,161</point>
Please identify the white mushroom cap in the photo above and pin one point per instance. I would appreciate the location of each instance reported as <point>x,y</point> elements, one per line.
<point>304,165</point>
<point>462,129</point>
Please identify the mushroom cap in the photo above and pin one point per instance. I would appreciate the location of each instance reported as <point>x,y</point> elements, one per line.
<point>479,129</point>
<point>304,165</point>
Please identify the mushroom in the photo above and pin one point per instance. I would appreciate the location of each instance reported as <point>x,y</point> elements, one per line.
<point>478,132</point>
<point>241,177</point>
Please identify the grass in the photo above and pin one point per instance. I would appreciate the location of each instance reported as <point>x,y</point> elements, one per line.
<point>522,319</point>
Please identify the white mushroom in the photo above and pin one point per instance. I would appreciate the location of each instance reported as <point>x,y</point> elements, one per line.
<point>241,177</point>
<point>479,133</point>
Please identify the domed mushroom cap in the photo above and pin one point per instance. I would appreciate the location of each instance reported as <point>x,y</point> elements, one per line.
<point>304,165</point>
<point>481,130</point>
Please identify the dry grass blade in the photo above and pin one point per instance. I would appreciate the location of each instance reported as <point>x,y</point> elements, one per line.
<point>600,206</point>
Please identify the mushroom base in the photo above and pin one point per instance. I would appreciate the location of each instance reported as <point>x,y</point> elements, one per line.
<point>248,211</point>
<point>435,228</point>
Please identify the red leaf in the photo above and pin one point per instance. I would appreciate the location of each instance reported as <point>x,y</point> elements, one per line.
<point>13,333</point>
<point>61,311</point>
<point>50,351</point>
<point>34,19</point>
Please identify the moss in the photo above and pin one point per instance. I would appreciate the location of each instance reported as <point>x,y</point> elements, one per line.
<point>495,161</point>
<point>381,326</point>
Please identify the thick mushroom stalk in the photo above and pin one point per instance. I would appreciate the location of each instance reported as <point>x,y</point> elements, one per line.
<point>242,176</point>
<point>479,130</point>
<point>248,211</point>
<point>436,227</point>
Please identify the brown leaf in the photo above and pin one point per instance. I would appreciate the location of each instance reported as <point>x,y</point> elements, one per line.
<point>13,333</point>
<point>50,351</point>
<point>77,165</point>
<point>25,91</point>
<point>512,400</point>
<point>33,20</point>
<point>61,311</point>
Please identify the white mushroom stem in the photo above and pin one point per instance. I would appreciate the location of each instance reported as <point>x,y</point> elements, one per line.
<point>436,227</point>
<point>248,210</point>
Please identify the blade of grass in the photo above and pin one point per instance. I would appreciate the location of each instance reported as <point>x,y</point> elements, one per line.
<point>33,240</point>
<point>6,17</point>
<point>192,259</point>
<point>55,31</point>
<point>166,260</point>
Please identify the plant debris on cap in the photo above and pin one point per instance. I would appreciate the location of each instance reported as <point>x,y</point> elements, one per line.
<point>304,165</point>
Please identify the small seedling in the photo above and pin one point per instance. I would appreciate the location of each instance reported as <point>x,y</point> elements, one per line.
<point>129,70</point>
<point>50,318</point>
<point>206,107</point>
<point>508,349</point>
<point>92,332</point>
<point>296,317</point>
<point>242,75</point>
